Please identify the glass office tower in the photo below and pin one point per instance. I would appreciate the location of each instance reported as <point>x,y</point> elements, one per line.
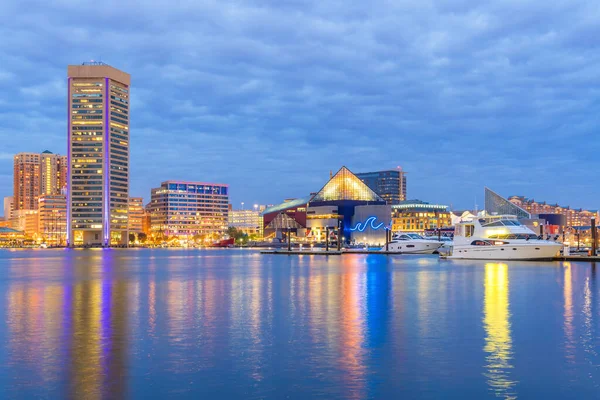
<point>389,184</point>
<point>98,164</point>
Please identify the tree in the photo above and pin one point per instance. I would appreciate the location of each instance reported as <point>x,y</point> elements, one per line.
<point>131,237</point>
<point>142,237</point>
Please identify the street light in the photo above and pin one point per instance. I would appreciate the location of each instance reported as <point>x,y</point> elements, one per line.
<point>242,205</point>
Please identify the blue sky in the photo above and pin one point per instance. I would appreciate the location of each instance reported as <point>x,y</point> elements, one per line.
<point>269,96</point>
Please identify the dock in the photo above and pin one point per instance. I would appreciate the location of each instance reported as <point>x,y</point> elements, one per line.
<point>323,252</point>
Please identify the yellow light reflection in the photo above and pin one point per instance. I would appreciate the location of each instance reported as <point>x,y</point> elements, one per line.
<point>496,322</point>
<point>568,314</point>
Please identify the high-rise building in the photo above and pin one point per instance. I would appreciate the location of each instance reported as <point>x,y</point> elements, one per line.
<point>37,174</point>
<point>52,215</point>
<point>53,173</point>
<point>8,207</point>
<point>26,181</point>
<point>98,138</point>
<point>136,214</point>
<point>389,184</point>
<point>187,209</point>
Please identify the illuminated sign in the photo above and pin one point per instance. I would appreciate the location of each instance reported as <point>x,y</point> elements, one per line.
<point>361,226</point>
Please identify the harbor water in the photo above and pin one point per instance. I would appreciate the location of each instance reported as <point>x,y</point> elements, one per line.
<point>235,324</point>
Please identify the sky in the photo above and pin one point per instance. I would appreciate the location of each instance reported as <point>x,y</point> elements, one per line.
<point>269,96</point>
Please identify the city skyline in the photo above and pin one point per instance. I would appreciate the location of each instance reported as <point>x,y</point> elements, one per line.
<point>456,107</point>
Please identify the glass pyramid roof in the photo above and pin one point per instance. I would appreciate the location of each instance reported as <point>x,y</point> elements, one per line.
<point>344,185</point>
<point>498,205</point>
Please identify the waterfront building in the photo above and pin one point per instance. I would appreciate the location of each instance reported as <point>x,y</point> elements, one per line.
<point>344,206</point>
<point>26,221</point>
<point>98,139</point>
<point>247,221</point>
<point>36,174</point>
<point>8,207</point>
<point>573,217</point>
<point>389,184</point>
<point>349,206</point>
<point>419,216</point>
<point>136,214</point>
<point>289,216</point>
<point>52,214</point>
<point>498,205</point>
<point>188,209</point>
<point>10,237</point>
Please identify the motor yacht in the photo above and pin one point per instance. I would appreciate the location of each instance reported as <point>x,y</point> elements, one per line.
<point>500,237</point>
<point>412,243</point>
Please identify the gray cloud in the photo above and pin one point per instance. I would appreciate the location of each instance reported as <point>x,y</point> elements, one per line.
<point>269,96</point>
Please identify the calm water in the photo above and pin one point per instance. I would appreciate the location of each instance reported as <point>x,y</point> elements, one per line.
<point>232,324</point>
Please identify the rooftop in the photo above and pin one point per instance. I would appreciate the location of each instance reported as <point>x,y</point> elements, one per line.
<point>287,205</point>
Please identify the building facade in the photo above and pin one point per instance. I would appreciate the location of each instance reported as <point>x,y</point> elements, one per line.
<point>389,184</point>
<point>573,216</point>
<point>26,181</point>
<point>98,138</point>
<point>26,221</point>
<point>36,174</point>
<point>8,207</point>
<point>419,216</point>
<point>248,221</point>
<point>136,214</point>
<point>53,173</point>
<point>188,209</point>
<point>53,219</point>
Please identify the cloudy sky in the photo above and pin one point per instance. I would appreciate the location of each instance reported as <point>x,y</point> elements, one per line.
<point>269,96</point>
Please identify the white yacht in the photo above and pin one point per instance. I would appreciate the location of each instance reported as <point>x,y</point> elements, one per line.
<point>500,237</point>
<point>412,243</point>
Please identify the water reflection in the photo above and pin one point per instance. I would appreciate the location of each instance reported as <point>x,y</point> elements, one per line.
<point>86,322</point>
<point>496,321</point>
<point>570,344</point>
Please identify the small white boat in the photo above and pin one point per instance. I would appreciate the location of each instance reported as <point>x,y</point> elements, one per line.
<point>500,237</point>
<point>412,243</point>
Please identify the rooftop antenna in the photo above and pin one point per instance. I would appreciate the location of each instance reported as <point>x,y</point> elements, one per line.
<point>330,174</point>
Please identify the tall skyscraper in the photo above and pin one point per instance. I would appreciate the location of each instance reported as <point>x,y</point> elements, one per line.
<point>389,184</point>
<point>98,138</point>
<point>26,181</point>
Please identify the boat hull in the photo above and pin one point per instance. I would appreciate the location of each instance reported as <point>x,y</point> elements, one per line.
<point>545,251</point>
<point>424,247</point>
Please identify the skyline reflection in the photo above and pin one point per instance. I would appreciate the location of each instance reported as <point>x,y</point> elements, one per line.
<point>164,324</point>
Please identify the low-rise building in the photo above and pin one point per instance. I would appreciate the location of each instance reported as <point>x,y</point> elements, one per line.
<point>52,213</point>
<point>248,221</point>
<point>417,216</point>
<point>574,216</point>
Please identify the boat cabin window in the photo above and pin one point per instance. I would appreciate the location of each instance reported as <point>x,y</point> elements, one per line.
<point>403,237</point>
<point>469,229</point>
<point>480,243</point>
<point>415,236</point>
